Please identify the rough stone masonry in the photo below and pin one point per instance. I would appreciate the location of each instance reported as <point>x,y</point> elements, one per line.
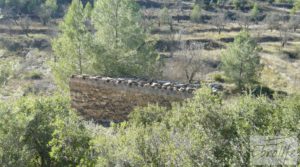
<point>105,99</point>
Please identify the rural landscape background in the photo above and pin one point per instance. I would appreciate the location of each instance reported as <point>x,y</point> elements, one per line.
<point>245,54</point>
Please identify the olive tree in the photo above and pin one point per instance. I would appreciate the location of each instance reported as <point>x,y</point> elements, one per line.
<point>272,21</point>
<point>193,60</point>
<point>219,21</point>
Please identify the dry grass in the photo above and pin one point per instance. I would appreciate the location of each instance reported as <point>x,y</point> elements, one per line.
<point>279,73</point>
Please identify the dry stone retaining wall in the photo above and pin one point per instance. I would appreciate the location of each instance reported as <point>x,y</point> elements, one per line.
<point>105,99</point>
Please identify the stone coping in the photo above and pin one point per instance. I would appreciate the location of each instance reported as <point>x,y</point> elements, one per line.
<point>168,86</point>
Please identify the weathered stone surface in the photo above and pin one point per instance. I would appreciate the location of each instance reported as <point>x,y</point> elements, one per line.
<point>105,99</point>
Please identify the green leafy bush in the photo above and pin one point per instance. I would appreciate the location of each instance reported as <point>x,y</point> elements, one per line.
<point>6,72</point>
<point>219,78</point>
<point>164,16</point>
<point>34,75</point>
<point>29,131</point>
<point>196,14</point>
<point>204,131</point>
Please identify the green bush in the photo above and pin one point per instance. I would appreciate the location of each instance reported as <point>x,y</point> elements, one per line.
<point>42,132</point>
<point>164,16</point>
<point>6,72</point>
<point>219,78</point>
<point>33,75</point>
<point>292,55</point>
<point>239,4</point>
<point>204,131</point>
<point>296,54</point>
<point>196,14</point>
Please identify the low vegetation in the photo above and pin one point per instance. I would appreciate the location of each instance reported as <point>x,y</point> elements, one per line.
<point>203,131</point>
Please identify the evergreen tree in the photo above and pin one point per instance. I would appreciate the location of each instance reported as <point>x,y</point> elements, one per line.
<point>241,61</point>
<point>164,16</point>
<point>221,2</point>
<point>72,47</point>
<point>255,12</point>
<point>46,10</point>
<point>196,13</point>
<point>296,6</point>
<point>239,4</point>
<point>127,51</point>
<point>204,3</point>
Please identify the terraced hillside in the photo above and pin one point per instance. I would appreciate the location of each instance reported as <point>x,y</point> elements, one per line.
<point>191,50</point>
<point>24,57</point>
<point>281,68</point>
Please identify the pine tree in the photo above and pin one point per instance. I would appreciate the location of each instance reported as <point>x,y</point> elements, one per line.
<point>164,16</point>
<point>127,49</point>
<point>196,13</point>
<point>72,47</point>
<point>241,61</point>
<point>255,12</point>
<point>46,10</point>
<point>239,4</point>
<point>296,6</point>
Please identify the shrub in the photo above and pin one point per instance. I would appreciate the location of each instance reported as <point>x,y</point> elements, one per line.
<point>219,78</point>
<point>164,16</point>
<point>296,54</point>
<point>263,90</point>
<point>33,75</point>
<point>203,131</point>
<point>41,131</point>
<point>255,12</point>
<point>239,4</point>
<point>196,14</point>
<point>6,72</point>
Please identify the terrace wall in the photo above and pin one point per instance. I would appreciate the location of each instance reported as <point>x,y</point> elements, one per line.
<point>106,99</point>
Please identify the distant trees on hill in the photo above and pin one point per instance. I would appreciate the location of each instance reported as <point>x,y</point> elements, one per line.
<point>241,4</point>
<point>283,23</point>
<point>31,6</point>
<point>296,6</point>
<point>165,17</point>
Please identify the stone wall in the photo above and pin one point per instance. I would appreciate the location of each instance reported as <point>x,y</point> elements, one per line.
<point>106,99</point>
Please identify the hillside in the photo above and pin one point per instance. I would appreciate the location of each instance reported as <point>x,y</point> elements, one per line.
<point>30,55</point>
<point>281,69</point>
<point>150,83</point>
